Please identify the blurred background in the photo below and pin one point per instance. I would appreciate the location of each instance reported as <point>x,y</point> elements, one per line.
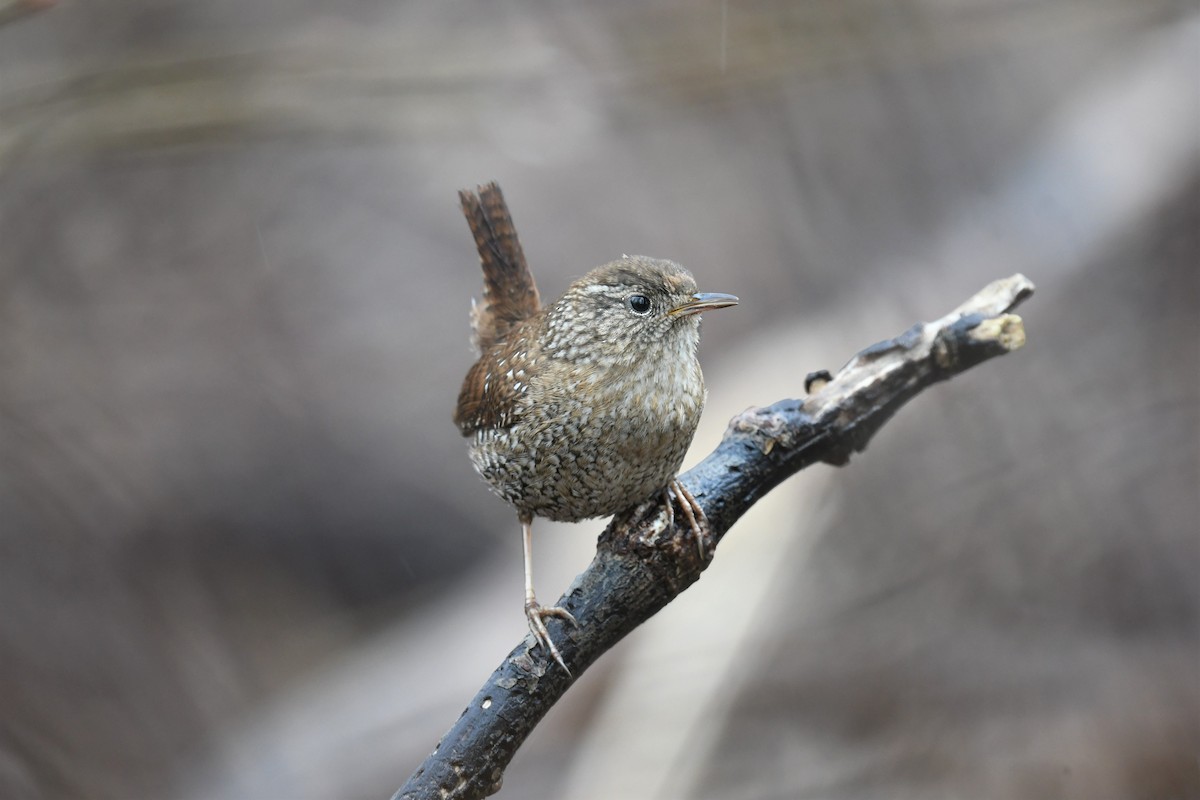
<point>243,553</point>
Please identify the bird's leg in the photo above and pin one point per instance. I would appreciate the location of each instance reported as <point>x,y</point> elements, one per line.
<point>691,511</point>
<point>534,612</point>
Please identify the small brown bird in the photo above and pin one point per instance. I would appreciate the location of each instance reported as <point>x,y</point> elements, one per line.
<point>584,407</point>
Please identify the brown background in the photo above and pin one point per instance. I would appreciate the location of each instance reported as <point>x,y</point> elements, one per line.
<point>243,553</point>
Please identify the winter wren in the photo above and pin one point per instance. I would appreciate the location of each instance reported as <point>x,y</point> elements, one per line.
<point>584,407</point>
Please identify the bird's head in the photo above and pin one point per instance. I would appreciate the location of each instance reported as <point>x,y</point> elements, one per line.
<point>631,309</point>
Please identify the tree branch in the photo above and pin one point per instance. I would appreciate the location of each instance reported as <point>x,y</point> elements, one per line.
<point>642,563</point>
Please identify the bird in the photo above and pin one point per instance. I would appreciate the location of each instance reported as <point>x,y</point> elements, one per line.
<point>583,407</point>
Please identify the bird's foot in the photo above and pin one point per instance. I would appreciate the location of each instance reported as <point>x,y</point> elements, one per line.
<point>692,512</point>
<point>536,614</point>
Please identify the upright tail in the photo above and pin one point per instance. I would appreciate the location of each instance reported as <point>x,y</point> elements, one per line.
<point>509,292</point>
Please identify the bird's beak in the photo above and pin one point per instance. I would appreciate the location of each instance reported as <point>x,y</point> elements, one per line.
<point>703,301</point>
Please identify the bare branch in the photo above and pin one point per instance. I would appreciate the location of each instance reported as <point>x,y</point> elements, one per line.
<point>642,562</point>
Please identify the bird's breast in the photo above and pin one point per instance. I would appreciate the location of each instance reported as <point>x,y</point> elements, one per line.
<point>591,442</point>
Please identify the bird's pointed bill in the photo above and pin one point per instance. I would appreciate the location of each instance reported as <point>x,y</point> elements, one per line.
<point>704,301</point>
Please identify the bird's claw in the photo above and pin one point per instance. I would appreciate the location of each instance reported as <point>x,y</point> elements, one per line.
<point>692,512</point>
<point>536,614</point>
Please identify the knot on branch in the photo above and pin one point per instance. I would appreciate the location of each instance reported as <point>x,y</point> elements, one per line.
<point>656,543</point>
<point>779,424</point>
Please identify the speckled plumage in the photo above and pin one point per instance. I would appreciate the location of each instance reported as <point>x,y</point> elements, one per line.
<point>584,407</point>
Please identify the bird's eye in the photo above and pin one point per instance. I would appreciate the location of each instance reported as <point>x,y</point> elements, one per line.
<point>638,304</point>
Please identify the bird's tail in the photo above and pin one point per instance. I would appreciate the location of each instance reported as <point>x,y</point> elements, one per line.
<point>509,292</point>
